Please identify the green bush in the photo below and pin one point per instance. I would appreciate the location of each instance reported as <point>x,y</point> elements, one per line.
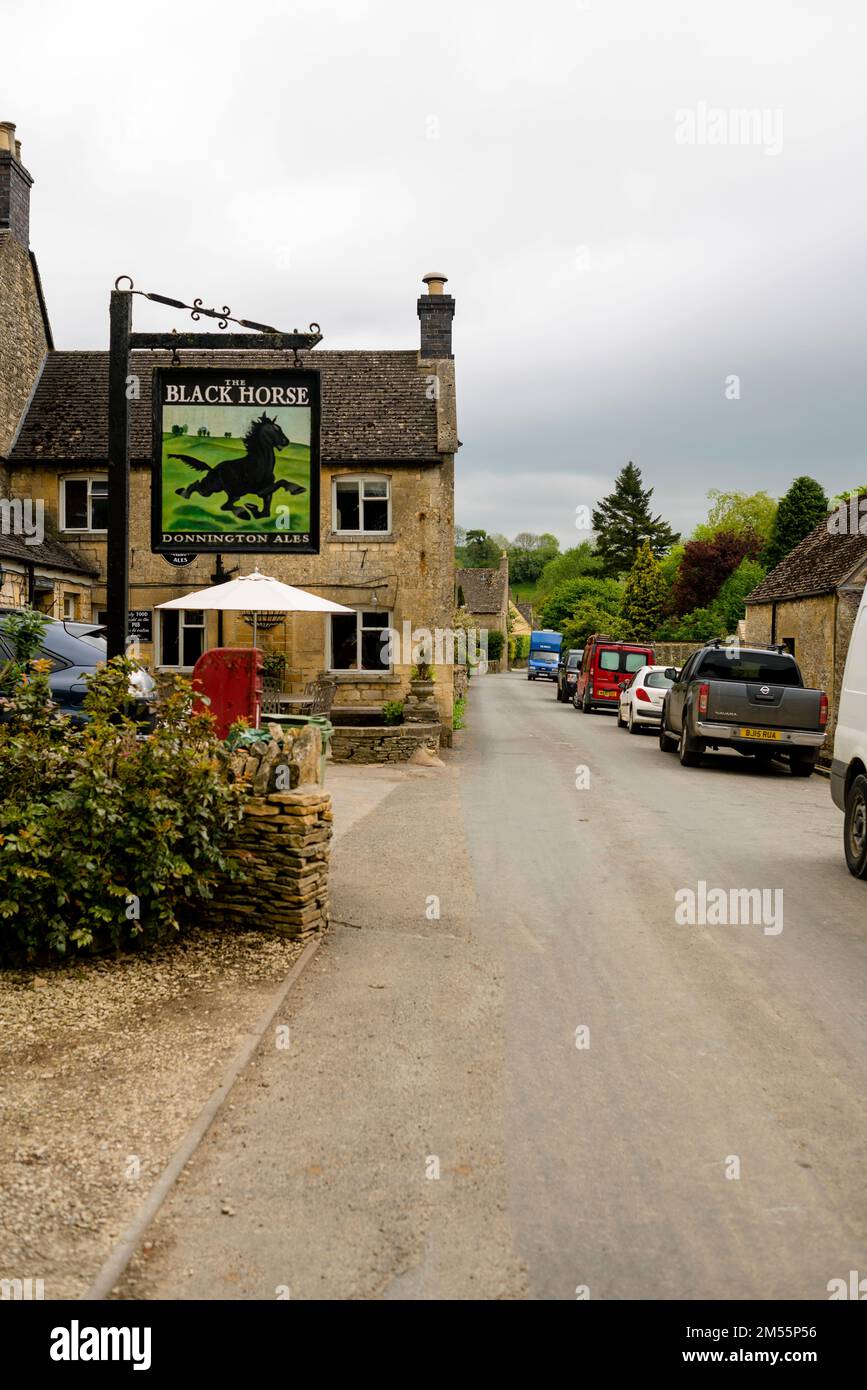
<point>522,646</point>
<point>392,712</point>
<point>560,605</point>
<point>105,834</point>
<point>495,644</point>
<point>459,708</point>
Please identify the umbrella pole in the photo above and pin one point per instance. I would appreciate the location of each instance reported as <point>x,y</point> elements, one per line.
<point>258,707</point>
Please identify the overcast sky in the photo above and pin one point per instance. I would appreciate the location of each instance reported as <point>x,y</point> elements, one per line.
<point>612,268</point>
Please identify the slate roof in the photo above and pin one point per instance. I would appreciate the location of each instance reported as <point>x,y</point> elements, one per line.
<point>817,565</point>
<point>50,554</point>
<point>374,404</point>
<point>484,590</point>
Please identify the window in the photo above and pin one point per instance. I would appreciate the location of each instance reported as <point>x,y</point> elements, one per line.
<point>359,641</point>
<point>70,606</point>
<point>633,661</point>
<point>362,505</point>
<point>182,636</point>
<point>765,668</point>
<point>609,661</point>
<point>658,680</point>
<point>84,504</point>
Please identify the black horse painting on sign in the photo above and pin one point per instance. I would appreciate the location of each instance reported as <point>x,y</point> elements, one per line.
<point>250,474</point>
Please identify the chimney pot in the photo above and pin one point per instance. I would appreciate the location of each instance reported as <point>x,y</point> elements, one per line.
<point>7,136</point>
<point>18,150</point>
<point>434,281</point>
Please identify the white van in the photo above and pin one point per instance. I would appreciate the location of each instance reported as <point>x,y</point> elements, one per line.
<point>849,766</point>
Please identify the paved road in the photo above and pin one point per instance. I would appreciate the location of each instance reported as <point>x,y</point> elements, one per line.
<point>454,1039</point>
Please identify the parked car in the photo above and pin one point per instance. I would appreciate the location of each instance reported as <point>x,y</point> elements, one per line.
<point>641,698</point>
<point>604,665</point>
<point>752,699</point>
<point>567,672</point>
<point>75,650</point>
<point>849,761</point>
<point>544,654</point>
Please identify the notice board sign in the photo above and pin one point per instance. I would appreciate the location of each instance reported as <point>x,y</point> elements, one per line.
<point>235,461</point>
<point>141,624</point>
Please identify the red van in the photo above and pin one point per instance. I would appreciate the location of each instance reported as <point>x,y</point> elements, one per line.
<point>606,663</point>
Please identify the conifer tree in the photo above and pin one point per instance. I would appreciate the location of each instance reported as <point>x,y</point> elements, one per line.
<point>623,519</point>
<point>799,512</point>
<point>644,595</point>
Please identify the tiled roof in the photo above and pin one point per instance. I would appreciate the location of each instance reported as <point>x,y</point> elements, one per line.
<point>483,590</point>
<point>374,404</point>
<point>816,566</point>
<point>50,554</point>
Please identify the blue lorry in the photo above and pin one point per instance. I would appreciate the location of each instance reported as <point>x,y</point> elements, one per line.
<point>544,655</point>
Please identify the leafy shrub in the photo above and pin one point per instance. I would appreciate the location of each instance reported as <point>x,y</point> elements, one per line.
<point>588,618</point>
<point>392,712</point>
<point>560,605</point>
<point>105,834</point>
<point>522,646</point>
<point>459,709</point>
<point>495,644</point>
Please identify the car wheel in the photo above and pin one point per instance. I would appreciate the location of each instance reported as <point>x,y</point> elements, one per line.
<point>689,749</point>
<point>801,765</point>
<point>666,742</point>
<point>855,827</point>
<point>585,704</point>
<point>632,726</point>
<point>621,723</point>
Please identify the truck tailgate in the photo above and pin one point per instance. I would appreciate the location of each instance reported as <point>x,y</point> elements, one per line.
<point>763,706</point>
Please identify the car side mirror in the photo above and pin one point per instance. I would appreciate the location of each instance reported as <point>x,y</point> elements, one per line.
<point>670,673</point>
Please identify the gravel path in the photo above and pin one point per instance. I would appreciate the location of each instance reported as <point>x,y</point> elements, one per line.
<point>104,1064</point>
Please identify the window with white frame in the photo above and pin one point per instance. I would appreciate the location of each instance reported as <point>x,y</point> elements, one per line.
<point>359,641</point>
<point>182,637</point>
<point>361,505</point>
<point>84,504</point>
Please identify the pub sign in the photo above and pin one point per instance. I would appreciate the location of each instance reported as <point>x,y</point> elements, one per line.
<point>236,461</point>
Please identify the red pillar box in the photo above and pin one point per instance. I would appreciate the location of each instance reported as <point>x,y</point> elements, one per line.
<point>231,678</point>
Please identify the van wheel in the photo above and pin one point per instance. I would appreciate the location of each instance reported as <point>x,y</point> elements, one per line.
<point>802,765</point>
<point>689,749</point>
<point>855,827</point>
<point>585,705</point>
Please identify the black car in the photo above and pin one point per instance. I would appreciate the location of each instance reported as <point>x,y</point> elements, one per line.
<point>75,650</point>
<point>567,672</point>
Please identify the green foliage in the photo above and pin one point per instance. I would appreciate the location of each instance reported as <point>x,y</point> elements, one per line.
<point>392,712</point>
<point>459,709</point>
<point>574,563</point>
<point>559,606</point>
<point>495,644</point>
<point>846,496</point>
<point>701,625</point>
<point>274,665</point>
<point>739,512</point>
<point>24,631</point>
<point>479,551</point>
<point>528,556</point>
<point>522,645</point>
<point>644,595</point>
<point>106,834</point>
<point>589,617</point>
<point>799,512</point>
<point>623,519</point>
<point>729,604</point>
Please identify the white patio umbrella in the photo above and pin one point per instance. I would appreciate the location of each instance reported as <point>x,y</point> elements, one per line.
<point>256,593</point>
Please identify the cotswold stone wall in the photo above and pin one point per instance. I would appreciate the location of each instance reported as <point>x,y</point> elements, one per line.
<point>22,340</point>
<point>283,844</point>
<point>384,743</point>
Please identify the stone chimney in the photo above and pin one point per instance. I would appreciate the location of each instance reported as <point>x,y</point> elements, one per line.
<point>15,185</point>
<point>436,311</point>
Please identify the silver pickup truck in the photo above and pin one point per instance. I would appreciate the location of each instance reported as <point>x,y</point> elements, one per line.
<point>751,699</point>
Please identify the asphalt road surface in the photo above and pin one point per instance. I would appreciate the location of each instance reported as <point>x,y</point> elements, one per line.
<point>555,1086</point>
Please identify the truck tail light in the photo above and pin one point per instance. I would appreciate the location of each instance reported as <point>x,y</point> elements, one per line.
<point>823,710</point>
<point>703,693</point>
<point>641,694</point>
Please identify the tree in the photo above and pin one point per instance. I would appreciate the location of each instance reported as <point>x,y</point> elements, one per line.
<point>799,512</point>
<point>729,603</point>
<point>645,594</point>
<point>738,511</point>
<point>480,551</point>
<point>528,556</point>
<point>573,563</point>
<point>588,618</point>
<point>623,519</point>
<point>705,567</point>
<point>559,606</point>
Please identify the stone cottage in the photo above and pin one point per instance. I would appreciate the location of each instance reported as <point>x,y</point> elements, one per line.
<point>34,568</point>
<point>809,603</point>
<point>483,594</point>
<point>386,524</point>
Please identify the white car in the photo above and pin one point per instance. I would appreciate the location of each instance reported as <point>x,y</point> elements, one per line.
<point>641,698</point>
<point>849,764</point>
